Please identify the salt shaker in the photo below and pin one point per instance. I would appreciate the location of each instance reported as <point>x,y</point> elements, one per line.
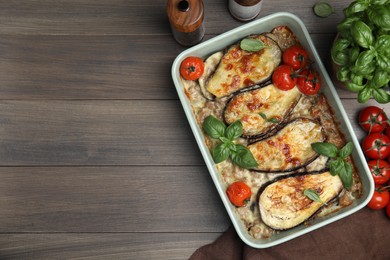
<point>245,10</point>
<point>186,19</point>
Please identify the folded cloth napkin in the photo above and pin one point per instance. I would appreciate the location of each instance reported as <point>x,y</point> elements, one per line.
<point>363,235</point>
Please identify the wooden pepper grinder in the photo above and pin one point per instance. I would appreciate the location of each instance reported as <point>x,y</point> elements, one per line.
<point>186,19</point>
<point>245,10</point>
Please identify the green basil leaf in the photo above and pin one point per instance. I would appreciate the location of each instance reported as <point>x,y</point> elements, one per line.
<point>377,2</point>
<point>357,79</point>
<point>365,59</point>
<point>383,62</point>
<point>343,74</point>
<point>214,127</point>
<point>353,53</point>
<point>346,150</point>
<point>243,157</point>
<point>362,34</point>
<point>220,153</point>
<point>326,149</point>
<point>381,78</point>
<point>336,165</point>
<point>339,51</point>
<point>354,87</point>
<point>345,175</point>
<point>234,130</point>
<point>313,195</point>
<point>252,45</point>
<point>323,9</point>
<point>380,16</point>
<point>346,24</point>
<point>382,44</point>
<point>364,95</point>
<point>272,119</point>
<point>357,6</point>
<point>381,96</point>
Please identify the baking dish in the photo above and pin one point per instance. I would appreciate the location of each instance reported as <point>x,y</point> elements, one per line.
<point>220,42</point>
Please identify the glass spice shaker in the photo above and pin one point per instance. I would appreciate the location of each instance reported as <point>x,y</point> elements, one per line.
<point>245,10</point>
<point>186,19</point>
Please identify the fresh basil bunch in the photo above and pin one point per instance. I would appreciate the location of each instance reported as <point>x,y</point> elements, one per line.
<point>362,49</point>
<point>239,154</point>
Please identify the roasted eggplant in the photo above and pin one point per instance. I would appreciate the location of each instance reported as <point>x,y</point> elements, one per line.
<point>239,69</point>
<point>283,205</point>
<point>261,110</point>
<point>290,148</point>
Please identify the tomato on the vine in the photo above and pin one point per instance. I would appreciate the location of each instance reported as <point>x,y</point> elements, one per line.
<point>192,68</point>
<point>295,56</point>
<point>380,199</point>
<point>376,146</point>
<point>239,193</point>
<point>373,119</point>
<point>380,171</point>
<point>284,77</point>
<point>309,82</point>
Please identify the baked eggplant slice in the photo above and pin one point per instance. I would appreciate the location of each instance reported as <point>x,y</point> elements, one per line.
<point>239,69</point>
<point>210,64</point>
<point>261,110</point>
<point>290,148</point>
<point>283,205</point>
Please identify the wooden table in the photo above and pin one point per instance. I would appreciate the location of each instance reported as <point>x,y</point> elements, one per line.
<point>97,158</point>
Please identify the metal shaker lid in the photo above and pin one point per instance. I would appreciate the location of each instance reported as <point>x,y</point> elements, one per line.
<point>185,15</point>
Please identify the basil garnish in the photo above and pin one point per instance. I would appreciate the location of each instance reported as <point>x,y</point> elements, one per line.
<point>337,165</point>
<point>271,120</point>
<point>323,9</point>
<point>239,154</point>
<point>252,45</point>
<point>313,195</point>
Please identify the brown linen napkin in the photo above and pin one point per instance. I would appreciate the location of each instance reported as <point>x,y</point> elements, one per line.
<point>363,235</point>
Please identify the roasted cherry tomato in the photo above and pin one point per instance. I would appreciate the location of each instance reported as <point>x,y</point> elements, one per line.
<point>192,68</point>
<point>380,171</point>
<point>380,199</point>
<point>284,77</point>
<point>295,56</point>
<point>376,146</point>
<point>373,119</point>
<point>309,82</point>
<point>239,193</point>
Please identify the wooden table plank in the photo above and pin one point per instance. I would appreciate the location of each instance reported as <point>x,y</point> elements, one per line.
<point>109,199</point>
<point>104,132</point>
<point>93,67</point>
<point>113,17</point>
<point>141,246</point>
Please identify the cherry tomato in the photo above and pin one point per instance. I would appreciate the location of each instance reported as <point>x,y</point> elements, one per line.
<point>284,77</point>
<point>192,68</point>
<point>373,119</point>
<point>380,199</point>
<point>239,193</point>
<point>309,82</point>
<point>380,171</point>
<point>376,146</point>
<point>388,210</point>
<point>295,56</point>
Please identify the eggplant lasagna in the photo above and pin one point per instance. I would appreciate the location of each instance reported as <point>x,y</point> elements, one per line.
<point>235,86</point>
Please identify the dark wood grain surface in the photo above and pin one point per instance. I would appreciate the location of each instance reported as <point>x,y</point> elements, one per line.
<point>97,158</point>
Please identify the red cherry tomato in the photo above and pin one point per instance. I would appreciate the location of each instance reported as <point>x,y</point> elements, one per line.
<point>284,77</point>
<point>376,146</point>
<point>373,120</point>
<point>295,56</point>
<point>239,193</point>
<point>379,199</point>
<point>192,68</point>
<point>380,171</point>
<point>388,210</point>
<point>309,82</point>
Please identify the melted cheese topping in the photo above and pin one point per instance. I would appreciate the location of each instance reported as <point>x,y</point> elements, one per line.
<point>239,69</point>
<point>290,148</point>
<point>269,101</point>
